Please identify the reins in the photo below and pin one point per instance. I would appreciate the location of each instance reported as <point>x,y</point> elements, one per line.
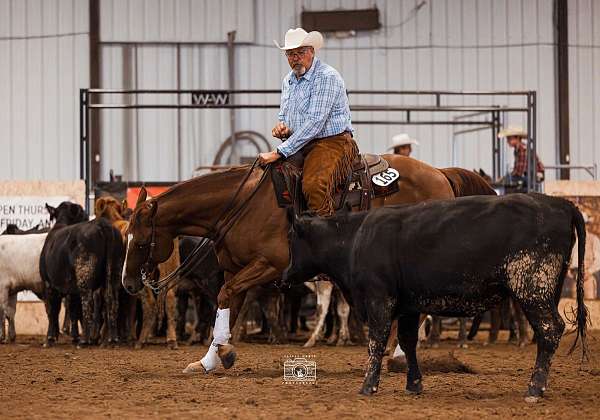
<point>217,232</point>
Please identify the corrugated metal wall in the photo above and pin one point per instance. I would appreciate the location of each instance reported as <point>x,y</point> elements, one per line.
<point>44,50</point>
<point>444,45</point>
<point>441,44</point>
<point>584,82</point>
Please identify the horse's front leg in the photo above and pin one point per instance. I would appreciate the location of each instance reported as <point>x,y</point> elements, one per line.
<point>259,271</point>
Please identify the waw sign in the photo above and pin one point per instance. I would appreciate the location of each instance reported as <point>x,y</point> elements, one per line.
<point>208,98</point>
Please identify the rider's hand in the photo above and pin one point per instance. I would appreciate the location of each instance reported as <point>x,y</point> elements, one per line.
<point>268,157</point>
<point>281,131</point>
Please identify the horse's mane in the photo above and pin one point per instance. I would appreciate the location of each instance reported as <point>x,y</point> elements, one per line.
<point>465,182</point>
<point>205,184</point>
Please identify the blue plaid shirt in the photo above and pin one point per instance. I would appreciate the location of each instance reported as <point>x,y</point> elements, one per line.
<point>314,106</point>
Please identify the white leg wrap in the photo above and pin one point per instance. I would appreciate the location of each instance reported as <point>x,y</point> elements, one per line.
<point>398,352</point>
<point>221,331</point>
<point>221,335</point>
<point>211,360</point>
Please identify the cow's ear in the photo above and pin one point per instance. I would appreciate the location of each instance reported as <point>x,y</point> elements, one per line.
<point>51,211</point>
<point>100,207</point>
<point>142,196</point>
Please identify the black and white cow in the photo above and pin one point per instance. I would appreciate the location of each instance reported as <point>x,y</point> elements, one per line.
<point>76,260</point>
<point>451,258</point>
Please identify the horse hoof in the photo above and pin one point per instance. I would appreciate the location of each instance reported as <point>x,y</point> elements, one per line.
<point>463,346</point>
<point>227,355</point>
<point>309,343</point>
<point>195,367</point>
<point>531,399</point>
<point>172,345</point>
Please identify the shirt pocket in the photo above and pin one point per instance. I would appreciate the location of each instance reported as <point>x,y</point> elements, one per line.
<point>302,97</point>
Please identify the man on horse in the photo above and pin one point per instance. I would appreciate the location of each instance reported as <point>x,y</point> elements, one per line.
<point>314,120</point>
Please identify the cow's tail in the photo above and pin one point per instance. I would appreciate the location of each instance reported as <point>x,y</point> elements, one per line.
<point>580,320</point>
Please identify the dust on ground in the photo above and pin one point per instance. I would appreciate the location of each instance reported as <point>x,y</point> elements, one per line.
<point>121,382</point>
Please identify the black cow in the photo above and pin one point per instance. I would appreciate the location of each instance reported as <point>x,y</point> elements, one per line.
<point>76,260</point>
<point>451,258</point>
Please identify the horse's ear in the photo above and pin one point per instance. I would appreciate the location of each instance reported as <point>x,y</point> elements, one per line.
<point>152,206</point>
<point>51,211</point>
<point>124,205</point>
<point>100,206</point>
<point>482,172</point>
<point>142,196</point>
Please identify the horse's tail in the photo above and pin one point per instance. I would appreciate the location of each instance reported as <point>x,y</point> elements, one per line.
<point>581,316</point>
<point>465,182</point>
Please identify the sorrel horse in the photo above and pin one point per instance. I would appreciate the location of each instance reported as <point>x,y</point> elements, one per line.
<point>255,250</point>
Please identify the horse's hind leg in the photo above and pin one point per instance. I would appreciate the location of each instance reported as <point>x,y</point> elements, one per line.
<point>323,289</point>
<point>343,313</point>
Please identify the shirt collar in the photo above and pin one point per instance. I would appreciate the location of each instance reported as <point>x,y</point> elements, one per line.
<point>308,75</point>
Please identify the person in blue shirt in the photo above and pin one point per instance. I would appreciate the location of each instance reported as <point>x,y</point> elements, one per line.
<point>314,119</point>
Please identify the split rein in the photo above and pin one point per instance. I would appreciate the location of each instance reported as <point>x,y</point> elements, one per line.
<point>219,229</point>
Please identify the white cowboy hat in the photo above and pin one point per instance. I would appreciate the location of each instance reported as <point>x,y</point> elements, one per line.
<point>512,130</point>
<point>296,38</point>
<point>402,139</point>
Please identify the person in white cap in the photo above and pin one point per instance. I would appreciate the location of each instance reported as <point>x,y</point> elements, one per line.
<point>514,137</point>
<point>402,144</point>
<point>314,119</point>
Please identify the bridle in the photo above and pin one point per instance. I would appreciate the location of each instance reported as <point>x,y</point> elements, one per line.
<point>217,232</point>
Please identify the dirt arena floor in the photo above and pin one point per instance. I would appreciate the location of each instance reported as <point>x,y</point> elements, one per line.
<point>124,383</point>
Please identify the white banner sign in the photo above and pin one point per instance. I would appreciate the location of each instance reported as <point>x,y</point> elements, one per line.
<point>27,211</point>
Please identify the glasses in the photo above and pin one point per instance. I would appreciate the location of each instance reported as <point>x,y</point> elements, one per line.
<point>297,53</point>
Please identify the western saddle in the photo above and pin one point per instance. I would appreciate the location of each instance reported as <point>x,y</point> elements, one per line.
<point>357,191</point>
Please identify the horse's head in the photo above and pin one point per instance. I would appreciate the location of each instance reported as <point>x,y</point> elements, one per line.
<point>147,245</point>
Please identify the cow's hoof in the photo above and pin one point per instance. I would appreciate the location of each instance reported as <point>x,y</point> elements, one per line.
<point>227,355</point>
<point>172,345</point>
<point>396,364</point>
<point>195,367</point>
<point>49,343</point>
<point>368,390</point>
<point>414,388</point>
<point>532,399</point>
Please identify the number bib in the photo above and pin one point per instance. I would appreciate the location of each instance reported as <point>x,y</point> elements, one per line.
<point>385,178</point>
